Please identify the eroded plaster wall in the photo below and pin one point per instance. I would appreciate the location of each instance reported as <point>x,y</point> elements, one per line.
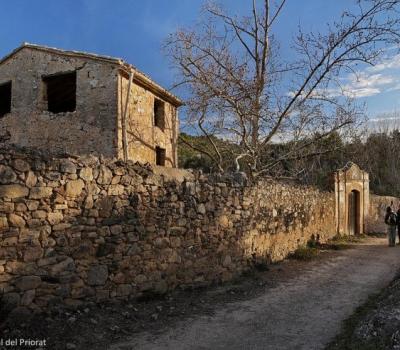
<point>142,135</point>
<point>90,129</point>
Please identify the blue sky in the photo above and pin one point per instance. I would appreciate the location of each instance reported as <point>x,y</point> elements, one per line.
<point>134,30</point>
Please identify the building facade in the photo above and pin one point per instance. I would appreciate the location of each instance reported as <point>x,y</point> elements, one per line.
<point>79,103</point>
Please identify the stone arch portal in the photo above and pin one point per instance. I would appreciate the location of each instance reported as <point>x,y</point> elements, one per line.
<point>352,199</point>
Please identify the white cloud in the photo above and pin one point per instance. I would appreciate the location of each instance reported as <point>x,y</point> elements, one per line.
<point>392,62</point>
<point>364,84</point>
<point>371,81</point>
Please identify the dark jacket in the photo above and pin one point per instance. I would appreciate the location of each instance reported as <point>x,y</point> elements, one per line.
<point>388,221</point>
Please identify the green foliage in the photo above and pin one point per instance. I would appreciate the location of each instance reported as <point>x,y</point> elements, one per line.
<point>189,157</point>
<point>197,152</point>
<point>378,154</point>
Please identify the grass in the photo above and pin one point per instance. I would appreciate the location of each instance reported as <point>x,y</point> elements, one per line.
<point>304,253</point>
<point>378,234</point>
<point>313,247</point>
<point>342,242</point>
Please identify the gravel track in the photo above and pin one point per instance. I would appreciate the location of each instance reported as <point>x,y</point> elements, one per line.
<point>304,312</point>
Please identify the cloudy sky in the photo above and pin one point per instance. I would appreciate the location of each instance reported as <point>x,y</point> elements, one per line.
<point>134,30</point>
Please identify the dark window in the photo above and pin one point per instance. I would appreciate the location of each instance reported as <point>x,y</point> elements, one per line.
<point>5,98</point>
<point>60,92</point>
<point>160,156</point>
<point>159,114</point>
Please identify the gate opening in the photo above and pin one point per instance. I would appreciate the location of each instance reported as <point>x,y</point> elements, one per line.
<point>354,213</point>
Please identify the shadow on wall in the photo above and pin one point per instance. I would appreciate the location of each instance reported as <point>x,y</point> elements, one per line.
<point>74,230</point>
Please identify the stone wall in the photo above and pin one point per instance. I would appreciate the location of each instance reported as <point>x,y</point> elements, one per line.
<point>378,204</point>
<point>74,230</point>
<point>142,135</point>
<point>91,128</point>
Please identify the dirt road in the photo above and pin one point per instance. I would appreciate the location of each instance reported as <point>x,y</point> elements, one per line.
<point>304,312</point>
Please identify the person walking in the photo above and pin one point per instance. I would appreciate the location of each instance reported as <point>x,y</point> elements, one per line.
<point>391,222</point>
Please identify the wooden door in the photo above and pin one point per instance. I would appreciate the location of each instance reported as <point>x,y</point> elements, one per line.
<point>353,213</point>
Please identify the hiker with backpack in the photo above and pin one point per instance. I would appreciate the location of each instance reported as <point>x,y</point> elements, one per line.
<point>391,221</point>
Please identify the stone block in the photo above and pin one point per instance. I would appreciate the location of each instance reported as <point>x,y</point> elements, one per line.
<point>86,174</point>
<point>67,265</point>
<point>28,297</point>
<point>97,275</point>
<point>40,192</point>
<point>28,282</point>
<point>55,218</point>
<point>33,253</point>
<point>74,188</point>
<point>31,179</point>
<point>7,175</point>
<point>105,175</point>
<point>67,166</point>
<point>3,223</point>
<point>20,165</point>
<point>124,290</point>
<point>16,220</point>
<point>13,191</point>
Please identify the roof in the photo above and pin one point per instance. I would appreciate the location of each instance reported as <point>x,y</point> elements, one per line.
<point>348,166</point>
<point>139,77</point>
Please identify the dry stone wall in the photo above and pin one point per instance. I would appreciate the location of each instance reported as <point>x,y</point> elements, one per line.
<point>80,229</point>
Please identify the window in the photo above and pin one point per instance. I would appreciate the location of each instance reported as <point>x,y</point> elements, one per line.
<point>159,114</point>
<point>5,98</point>
<point>60,92</point>
<point>160,156</point>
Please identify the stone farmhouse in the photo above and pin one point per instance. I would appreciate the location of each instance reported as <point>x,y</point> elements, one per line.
<point>68,102</point>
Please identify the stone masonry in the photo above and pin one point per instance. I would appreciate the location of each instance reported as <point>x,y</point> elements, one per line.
<point>103,116</point>
<point>89,229</point>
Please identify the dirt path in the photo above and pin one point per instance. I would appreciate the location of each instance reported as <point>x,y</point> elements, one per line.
<point>304,312</point>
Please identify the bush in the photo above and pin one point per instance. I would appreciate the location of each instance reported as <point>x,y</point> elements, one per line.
<point>304,253</point>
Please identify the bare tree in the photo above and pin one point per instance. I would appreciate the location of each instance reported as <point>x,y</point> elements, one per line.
<point>241,90</point>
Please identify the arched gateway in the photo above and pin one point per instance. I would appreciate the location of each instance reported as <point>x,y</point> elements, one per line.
<point>352,199</point>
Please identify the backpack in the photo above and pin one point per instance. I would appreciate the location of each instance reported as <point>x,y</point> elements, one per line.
<point>392,218</point>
